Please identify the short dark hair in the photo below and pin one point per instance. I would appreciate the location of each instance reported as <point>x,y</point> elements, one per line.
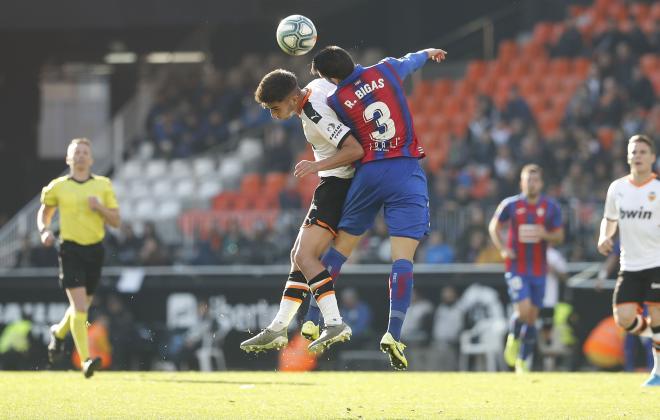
<point>642,138</point>
<point>275,86</point>
<point>532,168</point>
<point>333,62</point>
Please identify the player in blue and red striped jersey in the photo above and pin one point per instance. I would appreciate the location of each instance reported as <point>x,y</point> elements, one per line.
<point>534,223</point>
<point>371,102</point>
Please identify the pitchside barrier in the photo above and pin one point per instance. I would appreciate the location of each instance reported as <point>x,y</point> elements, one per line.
<point>243,299</point>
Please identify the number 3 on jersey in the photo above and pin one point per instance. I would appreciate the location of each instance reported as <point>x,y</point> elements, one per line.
<point>385,125</point>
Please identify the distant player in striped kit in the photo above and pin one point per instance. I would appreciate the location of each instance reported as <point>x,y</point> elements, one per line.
<point>534,223</point>
<point>633,205</point>
<point>371,102</point>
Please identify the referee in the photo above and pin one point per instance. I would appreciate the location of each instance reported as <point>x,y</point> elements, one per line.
<point>86,202</point>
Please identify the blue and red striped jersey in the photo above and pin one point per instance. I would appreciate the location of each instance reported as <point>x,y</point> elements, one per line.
<point>530,253</point>
<point>371,101</point>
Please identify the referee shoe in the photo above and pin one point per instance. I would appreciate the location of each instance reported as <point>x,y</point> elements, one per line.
<point>55,346</point>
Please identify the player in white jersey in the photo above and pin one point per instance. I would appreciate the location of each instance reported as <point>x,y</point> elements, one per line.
<point>335,149</point>
<point>633,205</point>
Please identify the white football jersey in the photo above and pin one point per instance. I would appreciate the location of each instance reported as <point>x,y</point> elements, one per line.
<point>322,128</point>
<point>637,210</point>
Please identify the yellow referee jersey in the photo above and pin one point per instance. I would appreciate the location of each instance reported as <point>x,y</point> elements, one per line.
<point>79,223</point>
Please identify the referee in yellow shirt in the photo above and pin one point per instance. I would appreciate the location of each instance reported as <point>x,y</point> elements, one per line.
<point>86,202</point>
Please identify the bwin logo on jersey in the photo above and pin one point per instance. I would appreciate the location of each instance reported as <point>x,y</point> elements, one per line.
<point>652,196</point>
<point>636,214</point>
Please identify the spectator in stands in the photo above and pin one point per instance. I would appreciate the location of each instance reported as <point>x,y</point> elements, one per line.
<point>24,255</point>
<point>447,327</point>
<point>654,38</point>
<point>416,330</point>
<point>152,252</point>
<point>122,334</point>
<point>166,133</point>
<point>570,42</point>
<point>214,130</point>
<point>208,250</point>
<point>357,314</point>
<point>517,108</point>
<point>636,38</point>
<point>278,156</point>
<point>289,197</point>
<point>127,245</point>
<point>436,251</point>
<point>641,89</point>
<point>609,110</point>
<point>15,344</point>
<point>609,38</point>
<point>624,63</point>
<point>235,246</point>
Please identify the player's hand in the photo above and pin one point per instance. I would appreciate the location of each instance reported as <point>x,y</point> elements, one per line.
<point>436,54</point>
<point>605,246</point>
<point>508,253</point>
<point>305,167</point>
<point>94,203</point>
<point>47,238</point>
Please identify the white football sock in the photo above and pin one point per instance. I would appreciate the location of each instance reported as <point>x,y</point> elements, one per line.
<point>287,311</point>
<point>329,309</point>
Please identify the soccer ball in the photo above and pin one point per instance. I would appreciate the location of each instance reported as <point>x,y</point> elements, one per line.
<point>296,35</point>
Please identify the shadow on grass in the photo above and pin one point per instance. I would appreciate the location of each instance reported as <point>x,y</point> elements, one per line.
<point>225,382</point>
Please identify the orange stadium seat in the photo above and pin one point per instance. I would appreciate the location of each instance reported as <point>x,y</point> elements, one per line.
<point>534,50</point>
<point>486,86</point>
<point>655,11</point>
<point>581,67</point>
<point>542,33</point>
<point>476,69</point>
<point>639,10</point>
<point>560,67</point>
<point>650,64</point>
<point>251,183</point>
<point>275,181</point>
<point>443,88</point>
<point>528,86</point>
<point>508,50</point>
<point>518,69</point>
<point>224,200</point>
<point>606,137</point>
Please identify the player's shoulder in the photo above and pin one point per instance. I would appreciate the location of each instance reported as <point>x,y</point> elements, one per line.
<point>320,88</point>
<point>619,182</point>
<point>102,179</point>
<point>510,200</point>
<point>552,201</point>
<point>57,181</point>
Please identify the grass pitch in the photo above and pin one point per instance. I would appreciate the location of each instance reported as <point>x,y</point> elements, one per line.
<point>321,395</point>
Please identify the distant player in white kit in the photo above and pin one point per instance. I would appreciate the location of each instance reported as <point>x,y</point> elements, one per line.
<point>335,149</point>
<point>633,205</point>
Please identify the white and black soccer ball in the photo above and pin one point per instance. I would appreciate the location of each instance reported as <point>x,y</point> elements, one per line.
<point>296,35</point>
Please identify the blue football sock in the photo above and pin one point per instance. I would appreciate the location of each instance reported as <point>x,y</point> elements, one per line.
<point>332,261</point>
<point>528,336</point>
<point>401,284</point>
<point>515,325</point>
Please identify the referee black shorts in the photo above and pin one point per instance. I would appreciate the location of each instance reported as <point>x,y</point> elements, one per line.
<point>327,204</point>
<point>80,265</point>
<point>638,287</point>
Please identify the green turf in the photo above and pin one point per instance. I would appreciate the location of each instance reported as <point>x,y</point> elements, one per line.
<point>133,395</point>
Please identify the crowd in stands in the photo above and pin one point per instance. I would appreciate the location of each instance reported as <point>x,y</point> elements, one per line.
<point>586,85</point>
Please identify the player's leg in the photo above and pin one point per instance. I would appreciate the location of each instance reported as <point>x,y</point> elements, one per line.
<point>519,293</point>
<point>529,311</point>
<point>627,301</point>
<point>91,258</point>
<point>652,300</point>
<point>274,336</point>
<point>406,214</point>
<point>58,333</point>
<point>313,242</point>
<point>332,260</point>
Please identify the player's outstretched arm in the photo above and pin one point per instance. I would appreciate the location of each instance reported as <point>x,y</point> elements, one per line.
<point>436,54</point>
<point>350,151</point>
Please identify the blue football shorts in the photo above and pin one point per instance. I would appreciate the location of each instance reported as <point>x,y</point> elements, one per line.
<point>398,185</point>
